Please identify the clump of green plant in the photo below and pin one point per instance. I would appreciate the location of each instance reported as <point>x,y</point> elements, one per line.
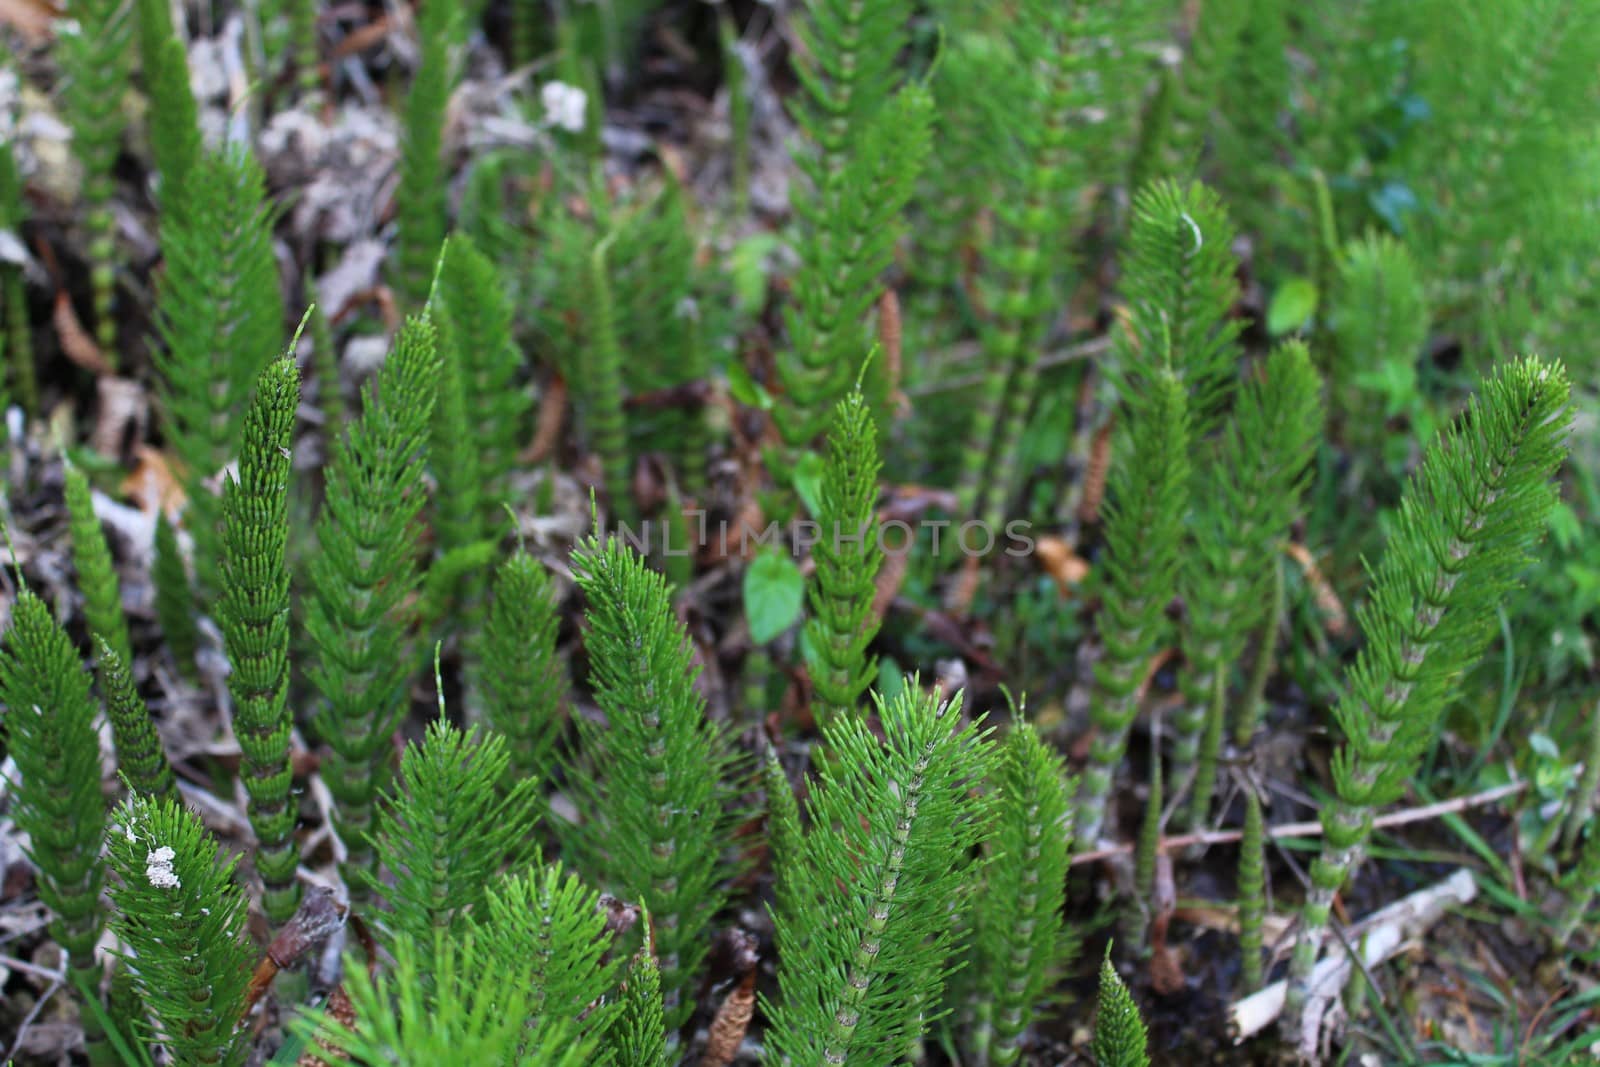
<point>95,53</point>
<point>50,733</point>
<point>16,339</point>
<point>140,757</point>
<point>420,198</point>
<point>524,681</point>
<point>1145,510</point>
<point>871,140</point>
<point>1462,533</point>
<point>476,456</point>
<point>1043,145</point>
<point>456,1001</point>
<point>220,315</point>
<point>97,578</point>
<point>174,596</point>
<point>364,578</point>
<point>1021,940</point>
<point>868,894</point>
<point>1246,495</point>
<point>445,831</point>
<point>1379,323</point>
<point>174,121</point>
<point>848,556</point>
<point>181,915</point>
<point>655,786</point>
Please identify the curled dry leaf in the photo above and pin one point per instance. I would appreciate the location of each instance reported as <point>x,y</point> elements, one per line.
<point>76,343</point>
<point>1061,563</point>
<point>153,484</point>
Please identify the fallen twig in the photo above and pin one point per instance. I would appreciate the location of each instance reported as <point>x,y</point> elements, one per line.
<point>1379,936</point>
<point>1314,828</point>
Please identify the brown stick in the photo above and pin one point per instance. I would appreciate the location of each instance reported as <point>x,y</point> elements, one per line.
<point>1314,829</point>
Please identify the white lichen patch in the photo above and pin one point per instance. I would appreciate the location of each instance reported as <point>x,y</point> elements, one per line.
<point>565,106</point>
<point>158,868</point>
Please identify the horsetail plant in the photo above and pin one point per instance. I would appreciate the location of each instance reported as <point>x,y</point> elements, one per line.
<point>174,116</point>
<point>1246,497</point>
<point>254,616</point>
<point>445,830</point>
<point>1379,324</point>
<point>446,1000</point>
<point>548,925</point>
<point>1252,891</point>
<point>871,142</point>
<point>50,733</point>
<point>1043,130</point>
<point>524,681</point>
<point>94,53</point>
<point>1180,287</point>
<point>867,915</point>
<point>1119,1034</point>
<point>1144,516</point>
<point>363,578</point>
<point>97,578</point>
<point>1463,531</point>
<point>1179,284</point>
<point>484,354</point>
<point>140,757</point>
<point>656,784</point>
<point>1022,941</point>
<point>1148,847</point>
<point>639,1036</point>
<point>420,198</point>
<point>220,315</point>
<point>16,339</point>
<point>847,555</point>
<point>181,914</point>
<point>603,391</point>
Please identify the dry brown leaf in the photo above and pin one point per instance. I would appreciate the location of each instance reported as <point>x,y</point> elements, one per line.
<point>33,19</point>
<point>1062,563</point>
<point>76,343</point>
<point>153,484</point>
<point>1328,602</point>
<point>731,1023</point>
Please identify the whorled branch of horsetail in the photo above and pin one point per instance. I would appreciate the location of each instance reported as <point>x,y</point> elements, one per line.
<point>1144,533</point>
<point>1021,938</point>
<point>1465,524</point>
